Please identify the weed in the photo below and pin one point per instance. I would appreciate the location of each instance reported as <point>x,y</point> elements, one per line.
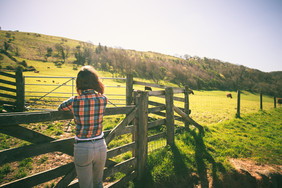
<point>21,173</point>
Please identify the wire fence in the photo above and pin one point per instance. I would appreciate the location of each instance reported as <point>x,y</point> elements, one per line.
<point>47,92</point>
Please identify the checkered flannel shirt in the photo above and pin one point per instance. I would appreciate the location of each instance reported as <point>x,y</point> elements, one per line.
<point>88,110</point>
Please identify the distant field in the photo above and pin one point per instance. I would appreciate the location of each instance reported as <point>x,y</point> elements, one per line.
<point>207,106</point>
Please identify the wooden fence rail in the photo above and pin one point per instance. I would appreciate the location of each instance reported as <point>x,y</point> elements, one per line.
<point>17,97</point>
<point>137,113</point>
<point>135,123</point>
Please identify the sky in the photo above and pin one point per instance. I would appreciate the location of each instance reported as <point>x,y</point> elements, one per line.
<point>242,32</point>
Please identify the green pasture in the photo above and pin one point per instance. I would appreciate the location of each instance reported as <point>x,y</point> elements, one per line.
<point>206,106</point>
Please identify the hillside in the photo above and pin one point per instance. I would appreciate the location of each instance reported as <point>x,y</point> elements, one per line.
<point>197,73</point>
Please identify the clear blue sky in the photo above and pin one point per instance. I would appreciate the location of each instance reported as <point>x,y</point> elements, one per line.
<point>244,32</point>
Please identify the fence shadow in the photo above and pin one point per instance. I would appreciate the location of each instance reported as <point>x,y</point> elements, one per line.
<point>203,159</point>
<point>185,175</point>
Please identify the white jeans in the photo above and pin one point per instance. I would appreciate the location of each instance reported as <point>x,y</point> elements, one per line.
<point>89,159</point>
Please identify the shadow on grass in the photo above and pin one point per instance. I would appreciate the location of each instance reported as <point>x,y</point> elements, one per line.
<point>180,171</point>
<point>190,164</point>
<point>205,161</point>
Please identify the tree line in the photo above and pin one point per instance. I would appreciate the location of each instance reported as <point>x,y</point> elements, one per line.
<point>198,73</point>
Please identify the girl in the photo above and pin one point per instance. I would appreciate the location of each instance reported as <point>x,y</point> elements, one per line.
<point>88,107</point>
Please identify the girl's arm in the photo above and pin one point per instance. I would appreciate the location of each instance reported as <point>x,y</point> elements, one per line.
<point>66,105</point>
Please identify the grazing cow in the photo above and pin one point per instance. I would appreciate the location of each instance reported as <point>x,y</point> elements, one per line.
<point>190,91</point>
<point>53,81</point>
<point>148,88</point>
<point>48,67</point>
<point>229,95</point>
<point>279,100</point>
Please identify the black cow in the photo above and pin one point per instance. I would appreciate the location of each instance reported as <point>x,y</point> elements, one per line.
<point>229,95</point>
<point>148,88</point>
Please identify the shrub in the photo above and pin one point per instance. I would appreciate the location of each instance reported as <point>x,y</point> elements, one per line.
<point>21,173</point>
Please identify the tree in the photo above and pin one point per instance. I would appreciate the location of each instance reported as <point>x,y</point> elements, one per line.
<point>6,46</point>
<point>99,49</point>
<point>80,59</point>
<point>62,52</point>
<point>49,53</point>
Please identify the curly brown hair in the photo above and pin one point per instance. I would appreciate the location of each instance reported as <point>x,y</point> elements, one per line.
<point>87,78</point>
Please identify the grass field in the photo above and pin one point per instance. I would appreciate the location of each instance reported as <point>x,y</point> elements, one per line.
<point>199,157</point>
<point>212,109</point>
<point>207,106</point>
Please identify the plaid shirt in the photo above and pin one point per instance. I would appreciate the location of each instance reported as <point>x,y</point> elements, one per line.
<point>88,110</point>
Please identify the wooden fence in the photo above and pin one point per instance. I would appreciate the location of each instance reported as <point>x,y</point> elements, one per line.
<point>15,88</point>
<point>136,112</point>
<point>135,124</point>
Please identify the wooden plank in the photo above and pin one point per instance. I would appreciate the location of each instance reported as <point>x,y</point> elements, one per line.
<point>41,177</point>
<point>157,136</point>
<point>7,102</point>
<point>155,103</point>
<point>67,179</point>
<point>7,74</point>
<point>120,183</point>
<point>180,99</point>
<point>156,109</point>
<point>119,110</point>
<point>260,97</point>
<point>238,103</point>
<point>26,134</point>
<point>164,115</point>
<point>35,117</point>
<point>187,118</point>
<point>23,118</point>
<point>156,123</point>
<point>169,116</point>
<point>60,115</point>
<point>7,89</point>
<point>7,82</point>
<point>148,84</point>
<point>141,133</point>
<point>129,89</point>
<point>178,90</point>
<point>120,126</point>
<point>156,93</point>
<point>125,166</point>
<point>120,150</point>
<point>8,96</point>
<point>20,153</point>
<point>186,109</point>
<point>20,90</point>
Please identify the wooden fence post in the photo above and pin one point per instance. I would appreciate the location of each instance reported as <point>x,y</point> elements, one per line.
<point>186,105</point>
<point>274,101</point>
<point>129,88</point>
<point>141,133</point>
<point>238,104</point>
<point>169,116</point>
<point>20,90</point>
<point>260,101</point>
